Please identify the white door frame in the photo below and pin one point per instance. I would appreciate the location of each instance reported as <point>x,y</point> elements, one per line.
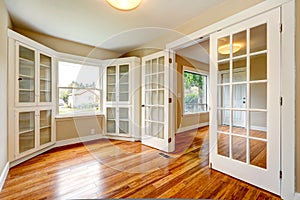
<point>288,67</point>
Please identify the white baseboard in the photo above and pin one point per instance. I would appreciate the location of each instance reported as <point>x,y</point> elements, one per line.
<point>78,140</point>
<point>4,175</point>
<point>297,196</point>
<point>188,128</point>
<point>259,128</point>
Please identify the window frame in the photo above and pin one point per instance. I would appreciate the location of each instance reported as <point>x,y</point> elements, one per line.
<point>78,60</point>
<point>198,72</point>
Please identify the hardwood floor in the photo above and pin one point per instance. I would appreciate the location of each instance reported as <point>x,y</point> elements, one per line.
<point>119,169</point>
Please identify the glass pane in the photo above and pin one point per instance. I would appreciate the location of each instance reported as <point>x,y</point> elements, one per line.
<point>161,63</point>
<point>148,82</point>
<point>154,114</point>
<point>123,127</point>
<point>161,114</point>
<point>124,113</point>
<point>26,53</point>
<point>224,96</point>
<point>161,131</point>
<point>26,131</point>
<point>223,48</point>
<point>258,153</point>
<point>154,129</point>
<point>147,98</point>
<point>239,148</point>
<point>148,67</point>
<point>154,98</point>
<point>161,81</point>
<point>223,144</point>
<point>45,136</point>
<point>258,67</point>
<point>224,120</point>
<point>258,38</point>
<point>111,113</point>
<point>239,43</point>
<point>161,97</point>
<point>111,126</point>
<point>45,126</point>
<point>124,69</point>
<point>239,122</point>
<point>45,78</point>
<point>154,81</point>
<point>124,96</point>
<point>111,83</point>
<point>154,66</point>
<point>147,113</point>
<point>224,76</point>
<point>148,128</point>
<point>239,73</point>
<point>258,95</point>
<point>45,118</point>
<point>258,124</point>
<point>239,96</point>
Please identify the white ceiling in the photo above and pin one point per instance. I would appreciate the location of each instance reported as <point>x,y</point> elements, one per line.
<point>94,22</point>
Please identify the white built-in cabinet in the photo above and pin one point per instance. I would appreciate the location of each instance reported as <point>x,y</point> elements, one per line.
<point>30,95</point>
<point>122,97</point>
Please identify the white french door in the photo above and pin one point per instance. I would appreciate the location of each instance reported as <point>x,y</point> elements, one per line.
<point>156,121</point>
<point>245,106</point>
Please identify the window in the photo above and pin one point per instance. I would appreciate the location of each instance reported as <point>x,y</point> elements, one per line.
<point>195,92</point>
<point>78,88</point>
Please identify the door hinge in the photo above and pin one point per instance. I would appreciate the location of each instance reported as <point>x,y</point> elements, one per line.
<point>281,101</point>
<point>169,140</point>
<point>170,60</point>
<point>280,174</point>
<point>280,28</point>
<point>170,100</point>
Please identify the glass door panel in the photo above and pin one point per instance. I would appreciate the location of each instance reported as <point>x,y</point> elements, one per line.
<point>111,114</point>
<point>45,126</point>
<point>111,74</point>
<point>124,120</point>
<point>45,78</point>
<point>124,82</point>
<point>26,78</point>
<point>26,131</point>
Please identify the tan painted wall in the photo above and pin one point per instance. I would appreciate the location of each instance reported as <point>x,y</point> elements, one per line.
<point>69,47</point>
<point>298,96</point>
<point>75,127</point>
<point>4,24</point>
<point>190,119</point>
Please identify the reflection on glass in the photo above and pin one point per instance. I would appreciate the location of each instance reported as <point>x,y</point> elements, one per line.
<point>161,64</point>
<point>258,124</point>
<point>239,146</point>
<point>239,95</point>
<point>26,131</point>
<point>224,96</point>
<point>258,153</point>
<point>124,113</point>
<point>224,120</point>
<point>239,122</point>
<point>161,131</point>
<point>223,44</point>
<point>223,144</point>
<point>239,43</point>
<point>45,78</point>
<point>258,67</point>
<point>154,66</point>
<point>239,70</point>
<point>45,126</point>
<point>223,69</point>
<point>148,128</point>
<point>258,94</point>
<point>258,38</point>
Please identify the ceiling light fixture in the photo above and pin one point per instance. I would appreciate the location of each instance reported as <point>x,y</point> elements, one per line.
<point>225,49</point>
<point>124,4</point>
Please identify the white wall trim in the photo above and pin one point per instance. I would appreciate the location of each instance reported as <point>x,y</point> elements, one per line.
<point>188,128</point>
<point>78,140</point>
<point>4,175</point>
<point>258,128</point>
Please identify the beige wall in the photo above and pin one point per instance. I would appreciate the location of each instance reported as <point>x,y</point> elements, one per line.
<point>190,119</point>
<point>69,47</point>
<point>76,127</point>
<point>4,24</point>
<point>298,96</point>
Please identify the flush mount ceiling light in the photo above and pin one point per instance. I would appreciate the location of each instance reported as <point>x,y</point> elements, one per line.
<point>225,49</point>
<point>124,4</point>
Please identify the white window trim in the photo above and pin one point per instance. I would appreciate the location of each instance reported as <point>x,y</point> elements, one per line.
<point>62,57</point>
<point>200,72</point>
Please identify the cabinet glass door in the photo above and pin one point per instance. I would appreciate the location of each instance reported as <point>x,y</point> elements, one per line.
<point>26,131</point>
<point>123,83</point>
<point>45,126</point>
<point>26,77</point>
<point>111,120</point>
<point>45,78</point>
<point>111,83</point>
<point>124,121</point>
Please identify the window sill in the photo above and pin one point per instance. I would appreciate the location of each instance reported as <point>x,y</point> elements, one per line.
<point>198,113</point>
<point>79,115</point>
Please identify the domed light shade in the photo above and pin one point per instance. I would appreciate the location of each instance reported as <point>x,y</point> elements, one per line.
<point>225,49</point>
<point>124,4</point>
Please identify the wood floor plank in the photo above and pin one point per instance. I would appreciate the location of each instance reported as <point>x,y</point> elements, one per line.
<point>119,169</point>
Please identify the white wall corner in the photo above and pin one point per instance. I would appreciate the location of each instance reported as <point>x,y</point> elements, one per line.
<point>4,175</point>
<point>297,196</point>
